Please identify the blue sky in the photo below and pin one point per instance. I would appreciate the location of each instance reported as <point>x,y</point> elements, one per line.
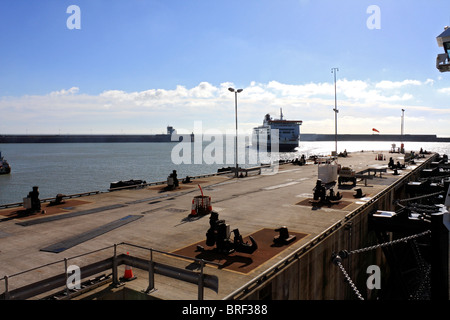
<point>137,66</point>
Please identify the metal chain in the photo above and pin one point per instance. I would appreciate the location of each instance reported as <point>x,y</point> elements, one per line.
<point>405,239</point>
<point>339,264</point>
<point>424,270</point>
<point>422,292</point>
<point>338,259</point>
<point>418,256</point>
<point>420,197</point>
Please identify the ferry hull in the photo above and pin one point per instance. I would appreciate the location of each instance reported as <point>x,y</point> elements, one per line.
<point>282,147</point>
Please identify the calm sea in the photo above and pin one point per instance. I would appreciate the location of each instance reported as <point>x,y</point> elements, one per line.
<point>81,167</point>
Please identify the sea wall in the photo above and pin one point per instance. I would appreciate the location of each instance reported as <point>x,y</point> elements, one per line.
<point>83,138</point>
<point>394,138</point>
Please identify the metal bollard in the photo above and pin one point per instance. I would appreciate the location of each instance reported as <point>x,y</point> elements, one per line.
<point>7,296</point>
<point>151,273</point>
<point>114,268</point>
<point>200,281</point>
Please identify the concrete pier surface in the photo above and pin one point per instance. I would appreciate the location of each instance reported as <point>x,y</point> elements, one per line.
<point>152,217</point>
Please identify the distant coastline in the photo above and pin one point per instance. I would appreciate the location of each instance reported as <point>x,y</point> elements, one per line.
<point>77,138</point>
<point>105,138</point>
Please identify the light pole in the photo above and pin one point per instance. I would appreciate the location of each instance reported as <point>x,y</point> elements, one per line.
<point>236,138</point>
<point>336,111</point>
<point>403,119</point>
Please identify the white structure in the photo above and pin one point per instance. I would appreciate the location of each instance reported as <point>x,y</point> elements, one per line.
<point>443,59</point>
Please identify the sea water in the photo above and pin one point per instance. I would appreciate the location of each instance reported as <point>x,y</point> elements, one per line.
<point>70,168</point>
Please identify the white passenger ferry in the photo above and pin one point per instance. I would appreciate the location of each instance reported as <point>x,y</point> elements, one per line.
<point>288,131</point>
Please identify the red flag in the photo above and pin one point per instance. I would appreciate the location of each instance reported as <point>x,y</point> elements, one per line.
<point>373,129</point>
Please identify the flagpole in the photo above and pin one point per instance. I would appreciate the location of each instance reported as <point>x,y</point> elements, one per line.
<point>334,70</point>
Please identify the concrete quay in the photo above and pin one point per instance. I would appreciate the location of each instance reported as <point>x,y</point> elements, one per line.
<point>256,205</point>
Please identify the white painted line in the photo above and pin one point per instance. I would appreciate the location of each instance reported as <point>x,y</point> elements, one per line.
<point>281,185</point>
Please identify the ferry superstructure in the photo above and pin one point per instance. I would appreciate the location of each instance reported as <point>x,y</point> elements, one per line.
<point>288,132</point>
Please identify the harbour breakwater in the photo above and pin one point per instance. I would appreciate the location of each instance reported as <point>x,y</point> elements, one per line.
<point>84,138</point>
<point>375,137</point>
<point>103,138</point>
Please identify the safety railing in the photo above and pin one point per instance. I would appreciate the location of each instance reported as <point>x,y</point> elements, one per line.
<point>75,195</point>
<point>60,281</point>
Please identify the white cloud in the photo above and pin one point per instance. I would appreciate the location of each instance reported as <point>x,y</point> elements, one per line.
<point>361,103</point>
<point>444,90</point>
<point>305,90</point>
<point>397,84</point>
<point>355,90</point>
<point>64,92</point>
<point>203,91</point>
<point>386,84</point>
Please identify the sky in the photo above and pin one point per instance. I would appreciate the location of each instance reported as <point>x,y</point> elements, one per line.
<point>137,66</point>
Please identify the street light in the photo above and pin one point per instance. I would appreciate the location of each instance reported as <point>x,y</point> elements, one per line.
<point>235,114</point>
<point>403,122</point>
<point>336,111</point>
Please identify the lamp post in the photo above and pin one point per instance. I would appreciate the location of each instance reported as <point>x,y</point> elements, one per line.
<point>403,120</point>
<point>336,111</point>
<point>236,138</point>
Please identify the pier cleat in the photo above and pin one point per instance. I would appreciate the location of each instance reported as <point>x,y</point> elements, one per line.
<point>59,199</point>
<point>359,193</point>
<point>283,237</point>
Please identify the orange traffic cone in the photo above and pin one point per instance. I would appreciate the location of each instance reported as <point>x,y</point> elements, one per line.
<point>128,274</point>
<point>194,209</point>
<point>209,207</point>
